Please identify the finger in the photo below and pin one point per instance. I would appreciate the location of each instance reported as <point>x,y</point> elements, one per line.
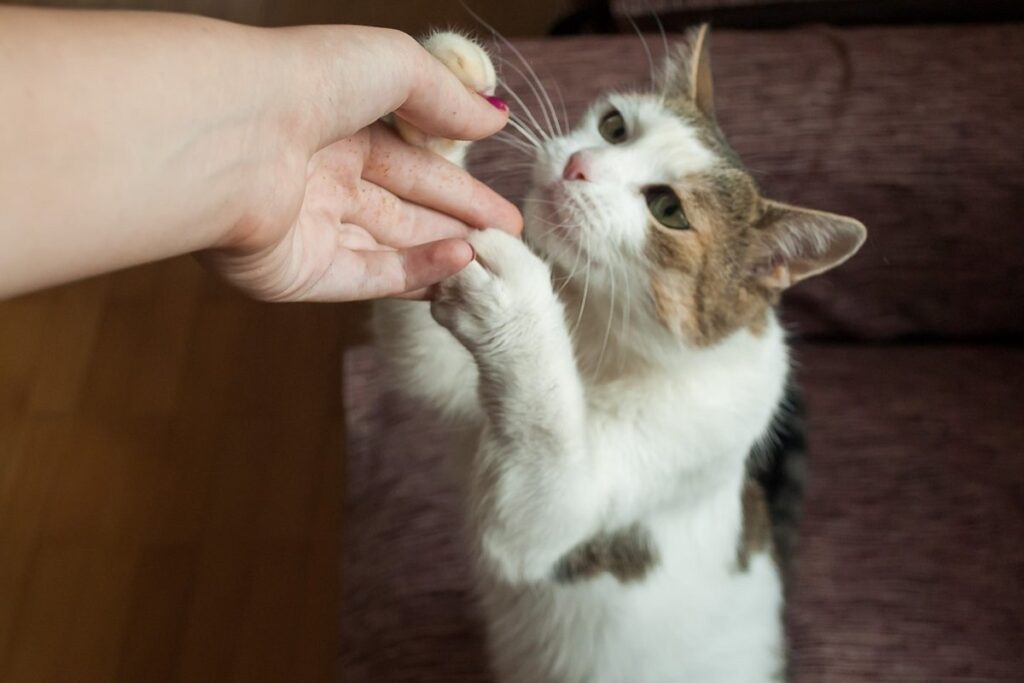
<point>425,178</point>
<point>397,223</point>
<point>374,274</point>
<point>369,72</point>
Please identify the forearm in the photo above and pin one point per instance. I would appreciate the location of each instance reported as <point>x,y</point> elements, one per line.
<point>128,137</point>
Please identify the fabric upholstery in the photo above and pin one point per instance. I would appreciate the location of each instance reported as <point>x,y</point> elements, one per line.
<point>917,132</point>
<point>761,14</point>
<point>910,561</point>
<point>640,7</point>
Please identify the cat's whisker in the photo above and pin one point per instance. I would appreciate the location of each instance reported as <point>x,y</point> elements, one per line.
<point>586,272</point>
<point>561,102</point>
<point>608,326</point>
<point>560,224</point>
<point>526,128</point>
<point>515,51</point>
<point>553,227</point>
<point>664,36</point>
<point>615,271</point>
<point>627,307</point>
<point>576,260</point>
<point>517,125</point>
<point>515,143</point>
<point>536,93</point>
<point>538,200</point>
<point>586,285</point>
<point>536,131</point>
<point>647,51</point>
<point>661,30</point>
<point>536,86</point>
<point>665,56</point>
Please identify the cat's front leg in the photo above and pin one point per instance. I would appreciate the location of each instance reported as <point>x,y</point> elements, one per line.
<point>532,492</point>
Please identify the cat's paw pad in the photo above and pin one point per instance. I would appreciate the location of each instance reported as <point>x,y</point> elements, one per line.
<point>505,291</point>
<point>471,64</point>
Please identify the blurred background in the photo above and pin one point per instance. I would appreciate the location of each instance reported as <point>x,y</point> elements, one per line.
<point>521,18</point>
<point>170,479</point>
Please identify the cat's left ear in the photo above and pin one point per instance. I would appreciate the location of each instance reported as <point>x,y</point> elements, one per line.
<point>796,243</point>
<point>688,72</point>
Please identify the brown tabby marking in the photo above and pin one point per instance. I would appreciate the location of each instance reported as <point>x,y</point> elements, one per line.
<point>726,272</point>
<point>756,536</point>
<point>703,280</point>
<point>628,555</point>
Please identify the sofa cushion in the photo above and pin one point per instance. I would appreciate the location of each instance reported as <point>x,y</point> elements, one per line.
<point>910,557</point>
<point>917,132</point>
<point>911,561</point>
<point>675,14</point>
<point>642,7</point>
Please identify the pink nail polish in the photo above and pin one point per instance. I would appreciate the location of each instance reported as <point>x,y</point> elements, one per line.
<point>497,102</point>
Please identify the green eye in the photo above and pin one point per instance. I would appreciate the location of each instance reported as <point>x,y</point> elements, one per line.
<point>613,127</point>
<point>664,205</point>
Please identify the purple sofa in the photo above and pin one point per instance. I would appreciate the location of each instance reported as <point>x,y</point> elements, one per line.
<point>911,565</point>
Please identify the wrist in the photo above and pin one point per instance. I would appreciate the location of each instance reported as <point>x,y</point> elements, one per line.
<point>346,77</point>
<point>270,152</point>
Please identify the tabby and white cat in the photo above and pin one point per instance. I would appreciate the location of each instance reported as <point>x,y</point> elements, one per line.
<point>616,533</point>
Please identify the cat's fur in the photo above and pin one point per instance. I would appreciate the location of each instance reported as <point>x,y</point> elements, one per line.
<point>616,532</point>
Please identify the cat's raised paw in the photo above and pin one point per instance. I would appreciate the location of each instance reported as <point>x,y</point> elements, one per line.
<point>465,58</point>
<point>503,293</point>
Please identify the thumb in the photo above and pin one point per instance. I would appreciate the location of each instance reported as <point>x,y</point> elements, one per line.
<point>362,73</point>
<point>439,103</point>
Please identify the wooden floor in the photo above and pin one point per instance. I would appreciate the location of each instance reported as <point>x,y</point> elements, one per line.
<point>170,464</point>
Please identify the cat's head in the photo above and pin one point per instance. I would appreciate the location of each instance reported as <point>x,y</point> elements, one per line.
<point>645,195</point>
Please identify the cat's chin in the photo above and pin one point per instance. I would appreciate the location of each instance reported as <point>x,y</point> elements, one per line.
<point>554,227</point>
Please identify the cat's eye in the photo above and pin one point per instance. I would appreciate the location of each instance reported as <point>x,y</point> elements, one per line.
<point>664,205</point>
<point>612,127</point>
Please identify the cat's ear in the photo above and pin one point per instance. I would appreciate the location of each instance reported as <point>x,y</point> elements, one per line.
<point>703,92</point>
<point>795,243</point>
<point>688,70</point>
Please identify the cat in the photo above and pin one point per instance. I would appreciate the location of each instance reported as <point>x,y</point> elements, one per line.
<point>616,530</point>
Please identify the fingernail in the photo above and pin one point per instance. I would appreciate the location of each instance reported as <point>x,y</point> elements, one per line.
<point>496,102</point>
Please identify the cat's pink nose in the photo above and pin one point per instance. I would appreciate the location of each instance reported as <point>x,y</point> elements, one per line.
<point>577,168</point>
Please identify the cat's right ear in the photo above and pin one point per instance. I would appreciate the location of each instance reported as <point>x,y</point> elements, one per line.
<point>688,70</point>
<point>794,243</point>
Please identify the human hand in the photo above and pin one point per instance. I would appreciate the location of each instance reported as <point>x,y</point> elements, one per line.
<point>345,209</point>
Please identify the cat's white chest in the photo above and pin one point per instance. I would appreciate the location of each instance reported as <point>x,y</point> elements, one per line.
<point>677,626</point>
<point>681,443</point>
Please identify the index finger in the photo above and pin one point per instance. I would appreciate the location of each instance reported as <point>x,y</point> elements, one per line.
<point>424,178</point>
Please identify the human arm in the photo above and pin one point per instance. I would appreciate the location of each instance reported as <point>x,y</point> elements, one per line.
<point>130,137</point>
